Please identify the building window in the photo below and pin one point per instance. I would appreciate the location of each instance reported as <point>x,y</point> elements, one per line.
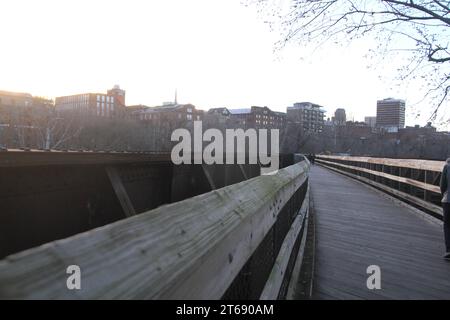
<point>189,116</point>
<point>189,110</point>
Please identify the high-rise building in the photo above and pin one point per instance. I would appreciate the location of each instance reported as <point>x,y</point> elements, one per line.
<point>307,115</point>
<point>371,121</point>
<point>391,114</point>
<point>340,118</point>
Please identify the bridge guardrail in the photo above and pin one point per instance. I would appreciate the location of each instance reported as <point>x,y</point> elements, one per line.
<point>237,242</point>
<point>413,181</point>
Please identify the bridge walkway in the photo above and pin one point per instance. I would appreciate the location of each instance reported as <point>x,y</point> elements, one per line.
<point>357,227</point>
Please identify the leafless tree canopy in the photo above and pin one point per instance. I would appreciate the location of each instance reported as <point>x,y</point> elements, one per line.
<point>420,28</point>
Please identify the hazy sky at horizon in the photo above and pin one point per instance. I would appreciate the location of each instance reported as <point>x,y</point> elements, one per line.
<point>217,53</point>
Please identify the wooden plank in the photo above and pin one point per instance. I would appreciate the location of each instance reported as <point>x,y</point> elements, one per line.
<point>121,193</point>
<point>357,228</point>
<point>429,165</point>
<point>415,262</point>
<point>275,280</point>
<point>417,201</point>
<point>191,249</point>
<point>412,182</point>
<point>308,236</point>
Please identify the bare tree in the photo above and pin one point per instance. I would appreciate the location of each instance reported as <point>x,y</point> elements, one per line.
<point>295,139</point>
<point>54,130</point>
<point>418,28</point>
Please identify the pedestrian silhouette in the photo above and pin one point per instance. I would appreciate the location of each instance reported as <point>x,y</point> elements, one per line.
<point>445,186</point>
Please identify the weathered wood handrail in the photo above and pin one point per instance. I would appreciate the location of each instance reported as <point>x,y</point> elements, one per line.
<point>398,177</point>
<point>430,165</point>
<point>412,182</point>
<point>192,249</point>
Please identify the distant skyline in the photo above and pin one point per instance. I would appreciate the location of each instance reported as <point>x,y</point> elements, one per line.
<point>215,53</point>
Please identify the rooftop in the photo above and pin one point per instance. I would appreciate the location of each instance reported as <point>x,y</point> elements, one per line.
<point>240,111</point>
<point>15,94</point>
<point>164,108</point>
<point>306,105</point>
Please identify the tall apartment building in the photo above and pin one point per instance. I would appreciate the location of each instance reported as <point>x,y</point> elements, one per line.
<point>340,117</point>
<point>98,104</point>
<point>307,115</point>
<point>391,114</point>
<point>258,118</point>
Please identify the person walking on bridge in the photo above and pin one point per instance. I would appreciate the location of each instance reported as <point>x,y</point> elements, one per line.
<point>445,190</point>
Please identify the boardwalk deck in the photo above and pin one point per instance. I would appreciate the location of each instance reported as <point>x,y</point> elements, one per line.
<point>357,227</point>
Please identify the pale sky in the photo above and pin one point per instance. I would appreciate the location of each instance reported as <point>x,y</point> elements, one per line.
<point>217,53</point>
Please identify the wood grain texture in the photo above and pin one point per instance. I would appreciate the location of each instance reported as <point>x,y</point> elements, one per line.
<point>409,181</point>
<point>429,165</point>
<point>275,280</point>
<point>187,250</point>
<point>294,290</point>
<point>402,195</point>
<point>356,228</point>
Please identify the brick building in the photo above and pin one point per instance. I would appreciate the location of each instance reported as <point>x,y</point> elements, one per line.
<point>218,118</point>
<point>173,114</point>
<point>258,118</point>
<point>118,94</point>
<point>18,99</point>
<point>111,104</point>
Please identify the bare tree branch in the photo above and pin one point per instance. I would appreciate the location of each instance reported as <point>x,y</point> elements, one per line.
<point>420,29</point>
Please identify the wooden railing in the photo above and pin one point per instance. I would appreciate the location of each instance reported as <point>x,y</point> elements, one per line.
<point>413,181</point>
<point>241,241</point>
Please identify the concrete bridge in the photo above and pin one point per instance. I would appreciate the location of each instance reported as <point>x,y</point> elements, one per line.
<point>157,231</point>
